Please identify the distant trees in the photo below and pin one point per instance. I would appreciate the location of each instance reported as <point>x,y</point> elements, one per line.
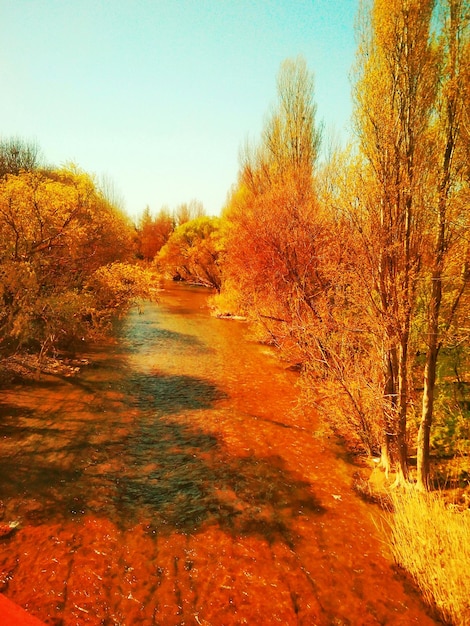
<point>193,252</point>
<point>154,231</point>
<point>188,211</point>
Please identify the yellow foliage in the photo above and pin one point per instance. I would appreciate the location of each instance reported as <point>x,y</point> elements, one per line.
<point>193,252</point>
<point>56,230</point>
<point>119,285</point>
<point>432,541</point>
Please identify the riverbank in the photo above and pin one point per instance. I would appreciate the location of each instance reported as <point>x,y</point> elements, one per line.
<point>428,533</point>
<point>20,367</point>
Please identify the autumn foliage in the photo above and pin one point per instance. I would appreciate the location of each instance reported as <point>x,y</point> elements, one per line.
<point>354,262</point>
<point>357,267</point>
<point>193,252</point>
<point>153,233</point>
<point>59,237</point>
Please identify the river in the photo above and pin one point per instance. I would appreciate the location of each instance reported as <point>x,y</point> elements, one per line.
<point>176,481</point>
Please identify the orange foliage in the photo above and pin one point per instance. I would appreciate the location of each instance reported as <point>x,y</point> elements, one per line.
<point>153,233</point>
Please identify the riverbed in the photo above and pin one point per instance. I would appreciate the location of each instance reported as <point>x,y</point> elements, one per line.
<point>176,480</point>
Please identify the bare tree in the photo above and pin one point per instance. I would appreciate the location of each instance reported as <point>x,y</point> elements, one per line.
<point>18,155</point>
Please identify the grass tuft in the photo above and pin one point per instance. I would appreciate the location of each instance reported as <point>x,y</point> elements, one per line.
<point>432,542</point>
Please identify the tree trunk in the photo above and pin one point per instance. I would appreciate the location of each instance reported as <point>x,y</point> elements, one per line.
<point>433,346</point>
<point>453,104</point>
<point>403,475</point>
<point>423,453</point>
<point>389,410</point>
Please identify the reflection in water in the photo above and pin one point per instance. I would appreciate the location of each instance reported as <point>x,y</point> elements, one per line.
<point>175,481</point>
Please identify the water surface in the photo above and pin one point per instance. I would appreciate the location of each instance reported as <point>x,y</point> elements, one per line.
<point>176,481</point>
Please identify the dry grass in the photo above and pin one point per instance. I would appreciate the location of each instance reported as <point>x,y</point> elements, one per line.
<point>432,542</point>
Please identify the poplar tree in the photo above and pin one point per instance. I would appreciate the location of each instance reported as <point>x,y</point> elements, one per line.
<point>394,93</point>
<point>449,266</point>
<point>271,211</point>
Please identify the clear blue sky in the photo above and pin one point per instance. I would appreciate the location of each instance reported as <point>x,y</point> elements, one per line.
<point>159,95</point>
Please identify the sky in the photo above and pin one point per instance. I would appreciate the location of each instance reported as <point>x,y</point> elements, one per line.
<point>157,97</point>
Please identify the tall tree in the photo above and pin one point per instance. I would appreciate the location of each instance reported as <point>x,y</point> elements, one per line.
<point>394,93</point>
<point>271,210</point>
<point>290,139</point>
<point>449,175</point>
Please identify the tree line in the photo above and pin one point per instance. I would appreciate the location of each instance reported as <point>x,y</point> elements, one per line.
<point>71,260</point>
<point>357,264</point>
<point>183,244</point>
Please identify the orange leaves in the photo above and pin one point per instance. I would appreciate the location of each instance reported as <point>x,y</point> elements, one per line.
<point>153,233</point>
<point>271,215</point>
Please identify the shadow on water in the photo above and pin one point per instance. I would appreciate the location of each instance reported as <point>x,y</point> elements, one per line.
<point>150,336</point>
<point>140,501</point>
<point>167,394</point>
<point>139,458</point>
<point>194,483</point>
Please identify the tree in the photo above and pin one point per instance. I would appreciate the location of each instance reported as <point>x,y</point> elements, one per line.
<point>273,207</point>
<point>290,140</point>
<point>296,263</point>
<point>154,232</point>
<point>394,92</point>
<point>56,232</point>
<point>449,226</point>
<point>193,251</point>
<point>148,247</point>
<point>188,211</point>
<point>17,155</point>
<point>342,342</point>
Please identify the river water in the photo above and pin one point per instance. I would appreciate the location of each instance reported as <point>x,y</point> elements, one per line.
<point>175,480</point>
